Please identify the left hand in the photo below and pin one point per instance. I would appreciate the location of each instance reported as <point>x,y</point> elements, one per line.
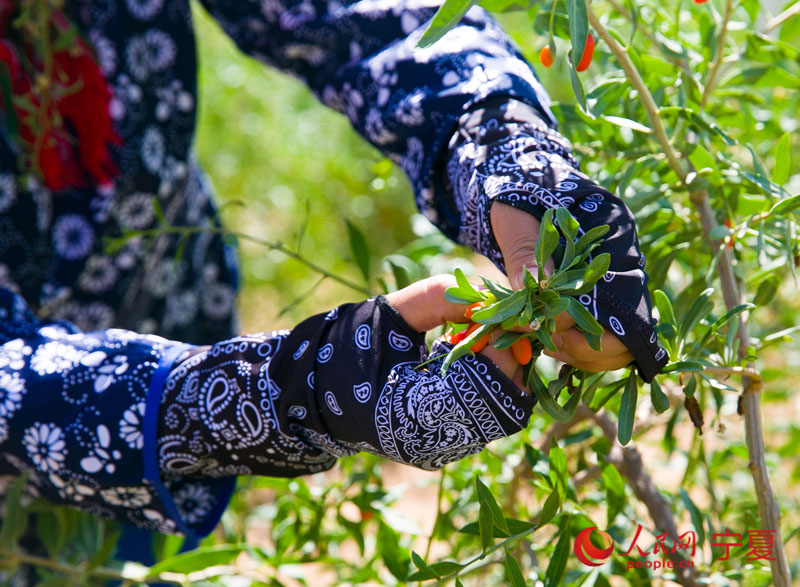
<point>516,233</point>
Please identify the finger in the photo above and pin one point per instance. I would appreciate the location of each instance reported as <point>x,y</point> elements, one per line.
<point>423,305</point>
<point>516,233</point>
<point>611,364</point>
<point>503,359</point>
<point>573,342</point>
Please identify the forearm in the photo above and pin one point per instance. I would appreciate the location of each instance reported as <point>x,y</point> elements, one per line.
<point>504,152</point>
<point>291,403</point>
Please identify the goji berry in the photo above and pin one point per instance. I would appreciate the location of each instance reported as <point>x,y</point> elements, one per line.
<point>522,351</point>
<point>472,309</point>
<point>588,53</point>
<point>481,343</point>
<point>545,57</point>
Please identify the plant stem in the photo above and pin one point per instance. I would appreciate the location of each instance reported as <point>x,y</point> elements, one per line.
<point>439,496</point>
<point>272,245</point>
<point>782,18</point>
<point>714,71</point>
<point>754,436</point>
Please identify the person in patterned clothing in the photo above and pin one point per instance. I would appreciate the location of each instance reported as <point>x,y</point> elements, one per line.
<point>106,399</point>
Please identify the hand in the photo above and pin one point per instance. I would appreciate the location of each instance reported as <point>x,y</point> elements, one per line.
<point>516,233</point>
<point>424,307</point>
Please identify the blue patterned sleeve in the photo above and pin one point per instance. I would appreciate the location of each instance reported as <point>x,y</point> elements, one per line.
<point>361,59</point>
<point>78,412</point>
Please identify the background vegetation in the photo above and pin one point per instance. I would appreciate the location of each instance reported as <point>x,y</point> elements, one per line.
<point>292,171</point>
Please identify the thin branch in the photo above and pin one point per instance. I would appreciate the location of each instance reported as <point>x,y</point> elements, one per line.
<point>768,505</point>
<point>777,21</point>
<point>749,372</point>
<point>645,96</point>
<point>439,495</point>
<point>628,461</point>
<point>272,245</point>
<point>714,71</point>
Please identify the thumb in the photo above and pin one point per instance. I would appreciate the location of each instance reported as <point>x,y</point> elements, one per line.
<point>516,233</point>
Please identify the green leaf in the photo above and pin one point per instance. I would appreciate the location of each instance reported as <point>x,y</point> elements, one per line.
<point>567,223</point>
<point>658,398</point>
<point>584,320</point>
<point>497,289</point>
<point>464,292</point>
<point>550,507</point>
<point>786,205</point>
<point>463,348</point>
<point>697,311</point>
<point>197,560</point>
<point>485,527</point>
<point>627,409</point>
<point>505,308</point>
<point>597,268</point>
<point>591,236</point>
<point>449,15</point>
<point>767,290</point>
<point>513,572</point>
<point>16,518</point>
<point>615,492</point>
<point>547,242</point>
<point>486,498</point>
<point>577,87</point>
<point>665,311</point>
<point>683,367</point>
<point>558,561</point>
<point>697,518</point>
<point>435,571</point>
<point>359,249</point>
<point>627,123</point>
<point>578,28</point>
<point>506,339</point>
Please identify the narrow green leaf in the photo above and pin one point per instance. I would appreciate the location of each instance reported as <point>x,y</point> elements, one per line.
<point>783,160</point>
<point>578,27</point>
<point>463,348</point>
<point>683,367</point>
<point>665,311</point>
<point>513,572</point>
<point>558,561</point>
<point>786,205</point>
<point>615,492</point>
<point>197,560</point>
<point>577,87</point>
<point>567,224</point>
<point>584,320</point>
<point>547,242</point>
<point>658,398</point>
<point>506,339</point>
<point>16,518</point>
<point>448,16</point>
<point>498,290</point>
<point>505,308</point>
<point>697,518</point>
<point>485,527</point>
<point>359,249</point>
<point>550,507</point>
<point>627,409</point>
<point>627,123</point>
<point>485,497</point>
<point>591,236</point>
<point>597,268</point>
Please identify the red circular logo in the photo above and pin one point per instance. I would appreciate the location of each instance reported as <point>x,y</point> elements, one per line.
<point>588,553</point>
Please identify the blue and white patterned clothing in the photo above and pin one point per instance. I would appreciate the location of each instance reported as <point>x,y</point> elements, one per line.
<point>151,431</point>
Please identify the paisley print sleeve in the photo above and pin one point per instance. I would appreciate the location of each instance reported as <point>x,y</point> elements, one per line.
<point>291,403</point>
<point>78,416</point>
<point>505,151</point>
<point>361,58</point>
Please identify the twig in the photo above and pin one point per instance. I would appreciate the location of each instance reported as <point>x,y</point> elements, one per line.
<point>767,504</point>
<point>749,372</point>
<point>778,20</point>
<point>644,94</point>
<point>628,461</point>
<point>439,495</point>
<point>723,36</point>
<point>272,245</point>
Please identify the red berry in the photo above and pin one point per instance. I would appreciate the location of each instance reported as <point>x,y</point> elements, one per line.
<point>588,53</point>
<point>545,57</point>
